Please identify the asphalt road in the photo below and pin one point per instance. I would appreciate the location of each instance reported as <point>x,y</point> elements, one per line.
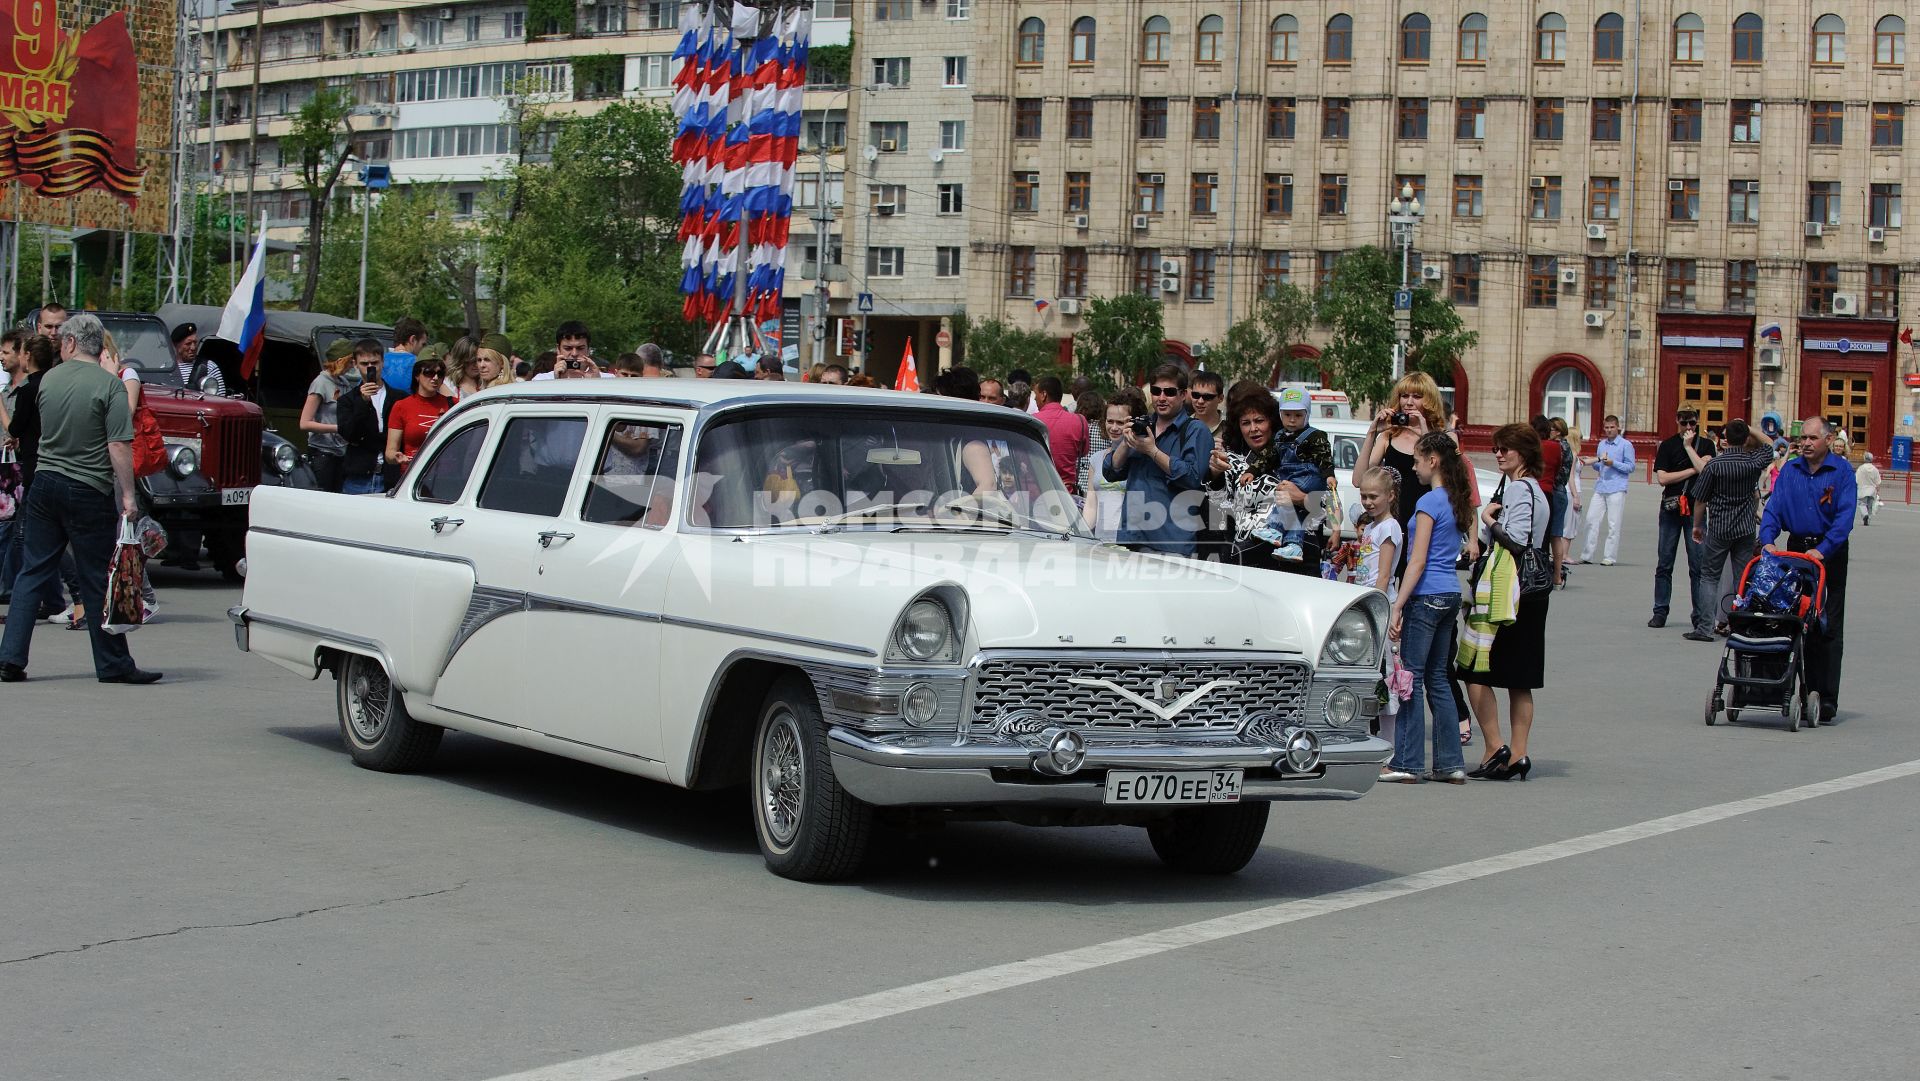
<point>197,884</point>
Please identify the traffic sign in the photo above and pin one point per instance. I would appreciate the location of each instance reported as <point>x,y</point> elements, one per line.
<point>943,340</point>
<point>866,303</point>
<point>1403,300</point>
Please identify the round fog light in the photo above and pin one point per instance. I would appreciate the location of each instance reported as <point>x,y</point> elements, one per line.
<point>1067,751</point>
<point>1343,706</point>
<point>920,704</point>
<point>1303,751</point>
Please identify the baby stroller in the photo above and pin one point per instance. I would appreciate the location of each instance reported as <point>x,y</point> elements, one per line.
<point>1782,599</point>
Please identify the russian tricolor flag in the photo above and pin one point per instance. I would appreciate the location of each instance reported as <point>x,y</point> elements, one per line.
<point>244,322</point>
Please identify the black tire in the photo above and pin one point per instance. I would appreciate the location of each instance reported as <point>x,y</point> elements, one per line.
<point>1812,709</point>
<point>809,828</point>
<point>374,723</point>
<point>1713,707</point>
<point>227,547</point>
<point>1210,840</point>
<point>1795,707</point>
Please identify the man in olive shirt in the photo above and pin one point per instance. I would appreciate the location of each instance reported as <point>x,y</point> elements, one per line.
<point>86,452</point>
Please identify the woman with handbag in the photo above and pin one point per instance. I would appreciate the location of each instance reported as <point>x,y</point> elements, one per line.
<point>1516,519</point>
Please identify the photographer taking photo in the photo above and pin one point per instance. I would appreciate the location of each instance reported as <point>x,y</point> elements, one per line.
<point>1162,457</point>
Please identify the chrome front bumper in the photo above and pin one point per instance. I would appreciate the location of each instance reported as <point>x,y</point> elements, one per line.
<point>935,771</point>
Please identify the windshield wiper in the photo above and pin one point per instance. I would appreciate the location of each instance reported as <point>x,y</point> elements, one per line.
<point>830,524</point>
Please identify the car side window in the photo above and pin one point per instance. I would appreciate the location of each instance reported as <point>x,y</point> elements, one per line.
<point>445,475</point>
<point>533,465</point>
<point>633,477</point>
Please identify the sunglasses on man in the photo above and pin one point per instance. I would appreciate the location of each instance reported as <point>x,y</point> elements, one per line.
<point>1166,392</point>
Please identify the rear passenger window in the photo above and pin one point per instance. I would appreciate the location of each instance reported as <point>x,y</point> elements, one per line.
<point>445,475</point>
<point>533,465</point>
<point>632,479</point>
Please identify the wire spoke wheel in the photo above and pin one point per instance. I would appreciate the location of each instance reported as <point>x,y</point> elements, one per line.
<point>369,700</point>
<point>783,779</point>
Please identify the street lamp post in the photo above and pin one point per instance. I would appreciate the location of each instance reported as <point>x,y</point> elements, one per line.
<point>373,178</point>
<point>1403,213</point>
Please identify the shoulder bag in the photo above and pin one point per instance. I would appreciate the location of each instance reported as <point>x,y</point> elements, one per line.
<point>1536,567</point>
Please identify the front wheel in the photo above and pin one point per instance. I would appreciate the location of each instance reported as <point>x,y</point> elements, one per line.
<point>809,828</point>
<point>374,723</point>
<point>1210,840</point>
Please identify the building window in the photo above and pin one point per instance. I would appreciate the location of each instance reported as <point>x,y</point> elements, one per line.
<point>1339,40</point>
<point>807,188</point>
<point>665,14</point>
<point>887,198</point>
<point>1468,195</point>
<point>1609,39</point>
<point>1745,114</point>
<point>1200,274</point>
<point>1032,46</point>
<point>886,262</point>
<point>1276,270</point>
<point>953,135</point>
<point>1026,118</point>
<point>1204,193</point>
<point>1682,276</point>
<point>896,71</point>
<point>958,10</point>
<point>1823,201</point>
<point>1146,272</point>
<point>1206,41</point>
<point>892,10</point>
<point>956,71</point>
<point>1473,39</point>
<point>1026,191</point>
<point>1743,284</point>
<point>1748,46</point>
<point>1549,118</point>
<point>953,198</point>
<point>1335,114</point>
<point>1603,198</point>
<point>1416,181</point>
<point>1830,40</point>
<point>1550,38</point>
<point>1283,40</point>
<point>1890,42</point>
<point>1829,120</point>
<point>1079,118</point>
<point>1073,272</point>
<point>1470,119</point>
<point>1156,41</point>
<point>1278,195</point>
<point>1412,121</point>
<point>1743,202</point>
<point>1683,120</point>
<point>1683,199</point>
<point>1883,205</point>
<point>1150,192</point>
<point>1603,281</point>
<point>1280,118</point>
<point>1569,395</point>
<point>1153,118</point>
<point>1689,39</point>
<point>1464,280</point>
<point>1083,50</point>
<point>1883,291</point>
<point>1206,119</point>
<point>1333,194</point>
<point>1020,271</point>
<point>889,135</point>
<point>1543,281</point>
<point>1544,201</point>
<point>1324,264</point>
<point>1079,193</point>
<point>1416,39</point>
<point>946,262</point>
<point>1823,280</point>
<point>1889,123</point>
<point>1606,120</point>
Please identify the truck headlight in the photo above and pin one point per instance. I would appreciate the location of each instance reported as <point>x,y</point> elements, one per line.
<point>182,461</point>
<point>285,458</point>
<point>925,631</point>
<point>1351,642</point>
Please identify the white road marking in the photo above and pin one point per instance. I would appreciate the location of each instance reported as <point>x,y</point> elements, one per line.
<point>748,1035</point>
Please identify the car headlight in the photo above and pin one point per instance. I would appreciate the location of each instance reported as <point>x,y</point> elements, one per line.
<point>182,462</point>
<point>285,458</point>
<point>1343,707</point>
<point>920,705</point>
<point>1351,642</point>
<point>925,632</point>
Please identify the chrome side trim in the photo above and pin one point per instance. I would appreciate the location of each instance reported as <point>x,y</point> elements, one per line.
<point>484,605</point>
<point>366,546</point>
<point>549,735</point>
<point>768,636</point>
<point>351,642</point>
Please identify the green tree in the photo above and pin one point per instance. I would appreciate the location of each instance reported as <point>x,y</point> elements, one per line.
<point>1254,346</point>
<point>1358,304</point>
<point>1124,339</point>
<point>317,146</point>
<point>995,347</point>
<point>421,261</point>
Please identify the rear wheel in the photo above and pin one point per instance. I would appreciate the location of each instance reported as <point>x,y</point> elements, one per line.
<point>1795,706</point>
<point>1210,840</point>
<point>1728,696</point>
<point>1812,708</point>
<point>374,723</point>
<point>809,828</point>
<point>1713,707</point>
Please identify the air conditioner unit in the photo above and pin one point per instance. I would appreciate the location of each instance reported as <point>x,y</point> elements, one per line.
<point>1170,266</point>
<point>382,120</point>
<point>1876,235</point>
<point>1815,228</point>
<point>1596,319</point>
<point>1569,277</point>
<point>888,146</point>
<point>1156,178</point>
<point>1431,272</point>
<point>1596,232</point>
<point>1767,359</point>
<point>1068,306</point>
<point>1169,286</point>
<point>1341,180</point>
<point>1140,222</point>
<point>1676,185</point>
<point>1845,304</point>
<point>1286,180</point>
<point>885,210</point>
<point>1753,187</point>
<point>1536,182</point>
<point>1082,222</point>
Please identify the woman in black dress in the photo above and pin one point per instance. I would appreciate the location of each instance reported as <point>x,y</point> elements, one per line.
<point>1517,519</point>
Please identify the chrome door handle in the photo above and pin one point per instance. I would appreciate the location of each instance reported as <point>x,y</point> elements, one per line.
<point>443,523</point>
<point>549,536</point>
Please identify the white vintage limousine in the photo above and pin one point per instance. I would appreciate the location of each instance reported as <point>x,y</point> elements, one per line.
<point>850,602</point>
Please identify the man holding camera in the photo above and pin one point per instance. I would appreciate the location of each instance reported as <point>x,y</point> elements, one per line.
<point>1163,457</point>
<point>1675,464</point>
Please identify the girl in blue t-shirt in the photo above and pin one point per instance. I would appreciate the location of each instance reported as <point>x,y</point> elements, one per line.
<point>1425,610</point>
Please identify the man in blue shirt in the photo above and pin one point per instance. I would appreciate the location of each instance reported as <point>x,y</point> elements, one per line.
<point>1813,503</point>
<point>1612,460</point>
<point>396,370</point>
<point>1160,466</point>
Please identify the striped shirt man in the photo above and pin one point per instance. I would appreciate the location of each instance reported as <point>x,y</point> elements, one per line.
<point>1728,491</point>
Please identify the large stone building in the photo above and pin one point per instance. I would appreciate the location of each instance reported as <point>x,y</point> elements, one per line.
<point>1621,211</point>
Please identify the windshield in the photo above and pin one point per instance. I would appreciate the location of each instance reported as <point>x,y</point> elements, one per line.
<point>831,469</point>
<point>143,344</point>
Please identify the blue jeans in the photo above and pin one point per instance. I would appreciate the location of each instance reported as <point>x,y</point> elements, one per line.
<point>8,558</point>
<point>63,514</point>
<point>1675,528</point>
<point>1426,648</point>
<point>363,485</point>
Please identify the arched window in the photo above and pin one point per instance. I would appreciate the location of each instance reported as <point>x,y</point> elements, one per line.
<point>1340,40</point>
<point>1206,42</point>
<point>1416,39</point>
<point>1609,39</point>
<point>1033,42</point>
<point>1283,40</point>
<point>1748,48</point>
<point>1083,51</point>
<point>1473,39</point>
<point>1829,40</point>
<point>1890,41</point>
<point>1689,39</point>
<point>1156,41</point>
<point>1550,38</point>
<point>1569,395</point>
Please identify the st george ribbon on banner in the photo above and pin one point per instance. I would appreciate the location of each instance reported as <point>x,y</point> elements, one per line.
<point>737,105</point>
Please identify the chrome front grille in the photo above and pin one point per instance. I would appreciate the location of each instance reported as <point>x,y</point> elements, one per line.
<point>1086,693</point>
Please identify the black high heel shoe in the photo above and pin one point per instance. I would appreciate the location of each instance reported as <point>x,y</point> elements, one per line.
<point>1516,772</point>
<point>1496,760</point>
